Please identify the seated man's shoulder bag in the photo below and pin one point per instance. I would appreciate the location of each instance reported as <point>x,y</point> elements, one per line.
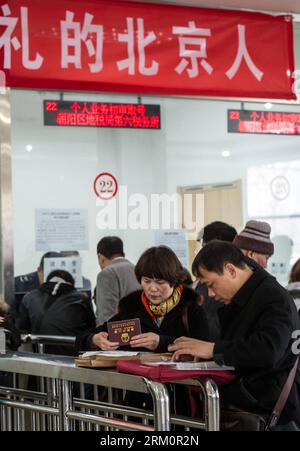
<point>235,419</point>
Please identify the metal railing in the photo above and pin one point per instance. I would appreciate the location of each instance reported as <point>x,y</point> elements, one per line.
<point>40,341</point>
<point>58,401</point>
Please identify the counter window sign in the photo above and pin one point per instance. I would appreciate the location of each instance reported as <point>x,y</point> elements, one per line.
<point>105,186</point>
<point>265,122</point>
<point>99,114</point>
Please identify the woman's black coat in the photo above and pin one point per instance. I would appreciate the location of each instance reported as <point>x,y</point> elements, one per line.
<point>172,326</point>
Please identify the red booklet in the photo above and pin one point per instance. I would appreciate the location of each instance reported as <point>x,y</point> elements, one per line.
<point>123,331</point>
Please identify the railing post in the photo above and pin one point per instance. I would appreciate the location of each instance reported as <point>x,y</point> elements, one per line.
<point>212,401</point>
<point>161,405</point>
<point>65,404</point>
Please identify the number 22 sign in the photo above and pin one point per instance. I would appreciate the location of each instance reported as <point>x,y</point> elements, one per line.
<point>105,186</point>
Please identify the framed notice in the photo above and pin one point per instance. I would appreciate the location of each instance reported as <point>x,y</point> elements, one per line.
<point>175,239</point>
<point>61,229</point>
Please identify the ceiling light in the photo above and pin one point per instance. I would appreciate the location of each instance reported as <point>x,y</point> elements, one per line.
<point>28,147</point>
<point>226,153</point>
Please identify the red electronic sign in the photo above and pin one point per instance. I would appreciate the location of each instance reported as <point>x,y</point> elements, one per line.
<point>265,122</point>
<point>99,114</point>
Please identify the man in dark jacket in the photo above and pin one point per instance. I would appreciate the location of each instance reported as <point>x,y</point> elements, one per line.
<point>28,282</point>
<point>216,230</point>
<point>257,323</point>
<point>13,339</point>
<point>56,308</point>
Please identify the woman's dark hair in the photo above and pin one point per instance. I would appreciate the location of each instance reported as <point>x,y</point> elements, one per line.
<point>295,272</point>
<point>215,255</point>
<point>160,263</point>
<point>65,275</point>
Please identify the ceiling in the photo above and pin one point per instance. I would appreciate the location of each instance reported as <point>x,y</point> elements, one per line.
<point>290,6</point>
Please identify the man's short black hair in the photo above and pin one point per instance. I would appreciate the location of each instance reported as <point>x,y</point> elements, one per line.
<point>110,246</point>
<point>218,230</point>
<point>215,255</point>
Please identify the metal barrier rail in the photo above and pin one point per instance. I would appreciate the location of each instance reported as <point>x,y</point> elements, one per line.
<point>40,341</point>
<point>47,339</point>
<point>56,375</point>
<point>62,372</point>
<point>98,408</point>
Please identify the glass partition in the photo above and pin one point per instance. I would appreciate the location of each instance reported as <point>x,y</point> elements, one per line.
<point>54,170</point>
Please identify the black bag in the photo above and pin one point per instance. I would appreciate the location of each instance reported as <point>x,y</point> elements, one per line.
<point>233,419</point>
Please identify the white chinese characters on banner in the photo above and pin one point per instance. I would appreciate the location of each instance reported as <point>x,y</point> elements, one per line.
<point>2,83</point>
<point>71,46</point>
<point>8,41</point>
<point>142,42</point>
<point>185,53</point>
<point>74,34</point>
<point>243,53</point>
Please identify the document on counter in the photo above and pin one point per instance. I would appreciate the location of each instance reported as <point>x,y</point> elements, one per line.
<point>109,354</point>
<point>205,366</point>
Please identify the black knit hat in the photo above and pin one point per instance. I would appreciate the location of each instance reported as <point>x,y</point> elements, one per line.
<point>255,237</point>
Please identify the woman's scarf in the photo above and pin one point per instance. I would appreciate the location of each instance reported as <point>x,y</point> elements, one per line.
<point>158,312</point>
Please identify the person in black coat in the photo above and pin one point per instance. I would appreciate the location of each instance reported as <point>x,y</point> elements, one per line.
<point>257,326</point>
<point>56,308</point>
<point>13,338</point>
<point>216,230</point>
<point>26,283</point>
<point>167,310</point>
<point>160,306</point>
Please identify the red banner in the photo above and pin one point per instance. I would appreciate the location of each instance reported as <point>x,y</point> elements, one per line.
<point>115,46</point>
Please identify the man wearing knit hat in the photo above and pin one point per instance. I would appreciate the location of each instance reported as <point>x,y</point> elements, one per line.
<point>254,241</point>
